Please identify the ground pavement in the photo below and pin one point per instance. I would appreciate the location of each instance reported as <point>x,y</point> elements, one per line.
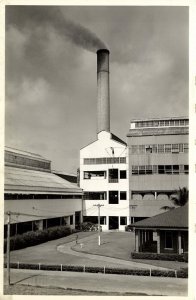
<point>101,282</point>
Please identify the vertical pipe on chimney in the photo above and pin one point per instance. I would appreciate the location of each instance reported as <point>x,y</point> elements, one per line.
<point>103,91</point>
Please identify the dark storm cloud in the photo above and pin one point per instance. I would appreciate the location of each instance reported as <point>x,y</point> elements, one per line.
<point>28,16</point>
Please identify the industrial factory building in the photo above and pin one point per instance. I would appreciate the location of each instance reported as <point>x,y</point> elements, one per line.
<point>104,163</point>
<point>158,164</point>
<point>125,184</point>
<point>35,197</point>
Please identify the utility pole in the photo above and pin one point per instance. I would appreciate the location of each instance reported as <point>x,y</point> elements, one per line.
<point>8,248</point>
<point>99,237</point>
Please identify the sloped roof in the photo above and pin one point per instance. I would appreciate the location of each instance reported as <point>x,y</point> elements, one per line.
<point>23,180</point>
<point>175,218</point>
<point>117,139</point>
<point>26,153</point>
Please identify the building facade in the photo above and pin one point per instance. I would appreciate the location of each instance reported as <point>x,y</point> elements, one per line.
<point>104,180</point>
<point>35,197</point>
<point>158,164</point>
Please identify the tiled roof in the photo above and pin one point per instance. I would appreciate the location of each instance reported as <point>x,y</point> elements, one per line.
<point>175,218</point>
<point>22,180</point>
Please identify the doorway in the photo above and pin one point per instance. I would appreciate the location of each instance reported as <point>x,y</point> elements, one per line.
<point>113,223</point>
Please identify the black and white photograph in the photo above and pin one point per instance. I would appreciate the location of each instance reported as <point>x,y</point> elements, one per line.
<point>96,153</point>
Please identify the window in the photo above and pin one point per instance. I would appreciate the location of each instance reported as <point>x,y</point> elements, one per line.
<point>161,148</point>
<point>71,220</point>
<point>113,175</point>
<point>123,195</point>
<point>148,149</point>
<point>181,148</point>
<point>168,148</point>
<point>135,170</point>
<point>122,160</point>
<point>94,174</point>
<point>113,197</point>
<point>175,169</point>
<point>148,169</point>
<point>175,148</point>
<point>186,147</point>
<point>123,220</point>
<point>166,123</point>
<point>104,160</point>
<point>161,169</point>
<point>95,196</point>
<point>123,174</point>
<point>186,169</point>
<point>168,169</point>
<point>103,220</point>
<point>141,170</point>
<point>154,148</point>
<point>168,240</point>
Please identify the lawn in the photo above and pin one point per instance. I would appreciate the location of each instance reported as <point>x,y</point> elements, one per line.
<point>120,245</point>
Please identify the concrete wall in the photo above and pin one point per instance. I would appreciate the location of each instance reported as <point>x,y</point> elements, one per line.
<point>102,148</point>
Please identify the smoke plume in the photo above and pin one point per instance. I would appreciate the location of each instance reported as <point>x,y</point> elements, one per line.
<point>36,16</point>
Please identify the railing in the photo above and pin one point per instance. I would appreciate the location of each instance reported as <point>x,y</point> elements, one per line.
<point>111,180</point>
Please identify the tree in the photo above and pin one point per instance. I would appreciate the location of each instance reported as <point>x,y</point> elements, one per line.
<point>180,199</point>
<point>182,196</point>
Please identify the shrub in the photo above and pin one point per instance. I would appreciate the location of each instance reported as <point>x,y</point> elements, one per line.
<point>161,256</point>
<point>32,238</point>
<point>139,272</point>
<point>94,270</point>
<point>162,273</point>
<point>72,268</point>
<point>182,273</point>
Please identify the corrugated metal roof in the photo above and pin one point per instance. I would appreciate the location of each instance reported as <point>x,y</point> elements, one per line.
<point>26,153</point>
<point>30,180</point>
<point>175,218</point>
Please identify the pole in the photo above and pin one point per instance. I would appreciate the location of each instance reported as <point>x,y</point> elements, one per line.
<point>99,234</point>
<point>8,249</point>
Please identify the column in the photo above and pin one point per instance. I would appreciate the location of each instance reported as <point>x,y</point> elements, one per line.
<point>158,242</point>
<point>136,240</point>
<point>40,225</point>
<point>179,243</point>
<point>155,195</point>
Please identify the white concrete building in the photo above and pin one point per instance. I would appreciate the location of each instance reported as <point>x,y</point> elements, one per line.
<point>104,180</point>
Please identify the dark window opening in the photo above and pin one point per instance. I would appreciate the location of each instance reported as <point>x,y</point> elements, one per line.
<point>123,174</point>
<point>113,175</point>
<point>168,240</point>
<point>123,220</point>
<point>113,197</point>
<point>123,195</point>
<point>95,195</point>
<point>71,220</point>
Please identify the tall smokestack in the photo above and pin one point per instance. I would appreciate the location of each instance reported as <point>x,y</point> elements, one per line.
<point>103,91</point>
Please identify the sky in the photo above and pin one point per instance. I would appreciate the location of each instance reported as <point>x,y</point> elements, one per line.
<point>51,73</point>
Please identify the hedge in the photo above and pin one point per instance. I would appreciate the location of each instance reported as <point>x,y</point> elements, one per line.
<point>182,273</point>
<point>161,256</point>
<point>33,238</point>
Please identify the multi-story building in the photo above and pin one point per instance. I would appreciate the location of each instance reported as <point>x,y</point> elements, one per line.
<point>35,197</point>
<point>104,180</point>
<point>158,164</point>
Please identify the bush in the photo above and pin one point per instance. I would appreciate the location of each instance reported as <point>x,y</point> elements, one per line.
<point>162,273</point>
<point>161,256</point>
<point>88,226</point>
<point>139,272</point>
<point>94,270</point>
<point>182,273</point>
<point>33,238</point>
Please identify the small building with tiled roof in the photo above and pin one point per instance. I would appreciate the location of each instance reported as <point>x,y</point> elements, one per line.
<point>163,233</point>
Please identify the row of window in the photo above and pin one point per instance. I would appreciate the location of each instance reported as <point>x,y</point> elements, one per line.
<point>113,175</point>
<point>94,219</point>
<point>160,169</point>
<point>160,148</point>
<point>20,160</point>
<point>162,123</point>
<point>104,160</point>
<point>39,196</point>
<point>114,196</point>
